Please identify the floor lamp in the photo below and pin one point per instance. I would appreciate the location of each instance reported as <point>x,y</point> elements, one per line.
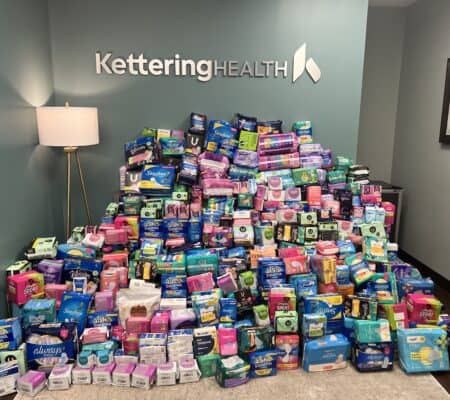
<point>70,128</point>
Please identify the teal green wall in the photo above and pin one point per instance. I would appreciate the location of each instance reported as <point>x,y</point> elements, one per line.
<point>28,176</point>
<point>334,31</point>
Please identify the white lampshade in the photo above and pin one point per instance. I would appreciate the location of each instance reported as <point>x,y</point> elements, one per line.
<point>67,126</point>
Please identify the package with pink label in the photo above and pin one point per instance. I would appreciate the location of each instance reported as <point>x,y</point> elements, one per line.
<point>82,376</point>
<point>31,383</point>
<point>60,378</point>
<point>121,375</point>
<point>103,375</point>
<point>143,376</point>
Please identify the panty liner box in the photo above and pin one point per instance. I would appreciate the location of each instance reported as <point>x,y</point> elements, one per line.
<point>373,356</point>
<point>143,376</point>
<point>9,373</point>
<point>31,383</point>
<point>82,376</point>
<point>15,355</point>
<point>327,353</point>
<point>121,375</point>
<point>103,375</point>
<point>188,370</point>
<point>232,371</point>
<point>60,378</point>
<point>167,374</point>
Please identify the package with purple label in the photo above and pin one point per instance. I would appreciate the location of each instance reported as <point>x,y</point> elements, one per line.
<point>246,158</point>
<point>52,270</point>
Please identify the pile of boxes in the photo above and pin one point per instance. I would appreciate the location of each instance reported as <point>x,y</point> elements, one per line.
<point>236,250</point>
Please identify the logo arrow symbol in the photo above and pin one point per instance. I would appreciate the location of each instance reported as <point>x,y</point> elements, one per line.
<point>300,64</point>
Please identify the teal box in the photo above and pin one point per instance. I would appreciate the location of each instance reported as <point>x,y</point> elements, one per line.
<point>423,349</point>
<point>38,311</point>
<point>367,331</point>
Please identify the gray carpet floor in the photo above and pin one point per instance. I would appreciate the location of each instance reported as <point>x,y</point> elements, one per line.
<point>346,384</point>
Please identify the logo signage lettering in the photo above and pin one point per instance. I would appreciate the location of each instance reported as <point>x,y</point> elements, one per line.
<point>206,69</point>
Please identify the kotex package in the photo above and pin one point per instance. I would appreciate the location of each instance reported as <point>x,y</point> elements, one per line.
<point>50,344</point>
<point>208,364</point>
<point>38,311</point>
<point>423,309</point>
<point>74,308</point>
<point>332,305</point>
<point>414,285</point>
<point>232,371</point>
<point>314,325</point>
<point>281,298</point>
<point>255,338</point>
<point>423,349</point>
<point>367,331</point>
<point>10,334</point>
<point>325,354</point>
<point>25,286</point>
<point>361,307</point>
<point>370,357</point>
<point>263,363</point>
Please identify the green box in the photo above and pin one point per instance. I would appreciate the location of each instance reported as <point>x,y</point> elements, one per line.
<point>248,140</point>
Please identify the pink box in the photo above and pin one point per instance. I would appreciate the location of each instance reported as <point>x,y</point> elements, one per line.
<point>143,376</point>
<point>55,291</point>
<point>116,236</point>
<point>227,338</point>
<point>160,322</point>
<point>25,286</point>
<point>103,375</point>
<point>82,376</point>
<point>296,265</point>
<point>138,325</point>
<point>121,375</point>
<point>104,301</point>
<point>31,383</point>
<point>200,283</point>
<point>423,308</point>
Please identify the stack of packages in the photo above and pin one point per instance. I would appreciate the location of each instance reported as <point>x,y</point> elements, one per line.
<point>235,249</point>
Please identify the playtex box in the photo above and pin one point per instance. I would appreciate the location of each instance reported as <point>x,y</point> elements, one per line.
<point>332,305</point>
<point>369,357</point>
<point>423,349</point>
<point>327,353</point>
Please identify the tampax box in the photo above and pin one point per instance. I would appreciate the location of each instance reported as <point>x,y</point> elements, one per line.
<point>82,376</point>
<point>60,378</point>
<point>31,383</point>
<point>103,375</point>
<point>144,376</point>
<point>121,375</point>
<point>327,353</point>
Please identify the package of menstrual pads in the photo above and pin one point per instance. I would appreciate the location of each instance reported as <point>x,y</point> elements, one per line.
<point>325,354</point>
<point>423,349</point>
<point>232,371</point>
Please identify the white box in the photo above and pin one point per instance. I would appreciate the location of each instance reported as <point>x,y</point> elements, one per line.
<point>121,375</point>
<point>9,373</point>
<point>103,375</point>
<point>82,376</point>
<point>60,378</point>
<point>166,374</point>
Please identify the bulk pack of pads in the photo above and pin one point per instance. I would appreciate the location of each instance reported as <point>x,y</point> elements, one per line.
<point>237,250</point>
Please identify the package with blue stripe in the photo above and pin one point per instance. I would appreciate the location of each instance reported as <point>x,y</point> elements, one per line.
<point>305,285</point>
<point>314,326</point>
<point>332,305</point>
<point>263,363</point>
<point>325,354</point>
<point>38,311</point>
<point>173,285</point>
<point>140,151</point>
<point>74,308</point>
<point>423,349</point>
<point>10,334</point>
<point>102,318</point>
<point>369,357</point>
<point>414,285</point>
<point>48,344</point>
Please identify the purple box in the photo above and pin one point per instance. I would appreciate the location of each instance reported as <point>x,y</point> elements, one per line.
<point>31,383</point>
<point>52,270</point>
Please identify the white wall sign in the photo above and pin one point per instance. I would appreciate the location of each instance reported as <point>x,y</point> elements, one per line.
<point>206,69</point>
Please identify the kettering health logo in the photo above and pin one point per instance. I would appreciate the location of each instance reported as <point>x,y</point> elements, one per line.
<point>206,69</point>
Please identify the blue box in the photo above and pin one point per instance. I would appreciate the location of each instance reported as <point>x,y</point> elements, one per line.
<point>423,349</point>
<point>325,354</point>
<point>369,357</point>
<point>10,334</point>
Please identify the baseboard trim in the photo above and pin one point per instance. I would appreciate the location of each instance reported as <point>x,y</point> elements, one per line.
<point>425,269</point>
